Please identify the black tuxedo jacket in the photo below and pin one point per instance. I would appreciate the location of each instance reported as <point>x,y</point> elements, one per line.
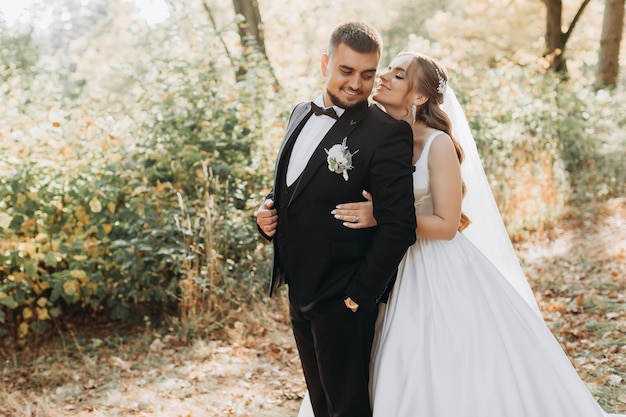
<point>313,252</point>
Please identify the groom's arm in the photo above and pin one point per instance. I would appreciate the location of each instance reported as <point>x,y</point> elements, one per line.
<point>391,186</point>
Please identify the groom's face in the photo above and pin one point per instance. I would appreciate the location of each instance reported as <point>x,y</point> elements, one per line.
<point>350,76</point>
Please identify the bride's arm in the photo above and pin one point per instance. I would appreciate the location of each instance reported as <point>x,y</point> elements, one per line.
<point>356,215</point>
<point>446,187</point>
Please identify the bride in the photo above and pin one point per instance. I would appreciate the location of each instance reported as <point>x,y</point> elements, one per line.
<point>461,334</point>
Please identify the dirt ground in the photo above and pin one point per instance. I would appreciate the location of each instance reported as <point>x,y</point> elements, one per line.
<point>578,273</point>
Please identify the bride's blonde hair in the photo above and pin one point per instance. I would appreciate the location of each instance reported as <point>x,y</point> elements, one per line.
<point>429,78</point>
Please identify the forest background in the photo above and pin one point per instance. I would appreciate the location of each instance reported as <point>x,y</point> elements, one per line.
<point>138,139</point>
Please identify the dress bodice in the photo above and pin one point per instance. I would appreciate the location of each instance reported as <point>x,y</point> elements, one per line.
<point>421,179</point>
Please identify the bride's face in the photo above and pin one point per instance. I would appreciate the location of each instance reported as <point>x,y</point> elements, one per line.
<point>393,86</point>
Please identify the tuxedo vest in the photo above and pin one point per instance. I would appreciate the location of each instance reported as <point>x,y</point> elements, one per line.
<point>283,194</point>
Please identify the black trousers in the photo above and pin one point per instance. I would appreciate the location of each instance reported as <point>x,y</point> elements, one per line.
<point>335,346</point>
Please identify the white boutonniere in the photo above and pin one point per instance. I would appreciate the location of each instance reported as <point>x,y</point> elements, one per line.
<point>340,158</point>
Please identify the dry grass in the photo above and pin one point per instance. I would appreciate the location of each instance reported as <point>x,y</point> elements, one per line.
<point>536,194</point>
<point>198,303</point>
<point>255,373</point>
<point>578,273</point>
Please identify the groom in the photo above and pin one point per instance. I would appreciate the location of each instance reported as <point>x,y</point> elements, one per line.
<point>333,148</point>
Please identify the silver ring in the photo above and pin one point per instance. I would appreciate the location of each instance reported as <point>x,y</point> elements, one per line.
<point>357,219</point>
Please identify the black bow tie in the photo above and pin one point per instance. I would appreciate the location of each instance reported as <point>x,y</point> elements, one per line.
<point>318,111</point>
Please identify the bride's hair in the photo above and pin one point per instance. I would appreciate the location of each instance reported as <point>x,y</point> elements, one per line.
<point>429,78</point>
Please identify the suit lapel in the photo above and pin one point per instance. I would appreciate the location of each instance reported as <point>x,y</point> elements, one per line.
<point>341,129</point>
<point>293,130</point>
<point>294,127</point>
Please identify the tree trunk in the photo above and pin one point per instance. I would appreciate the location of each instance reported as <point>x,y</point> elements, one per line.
<point>608,56</point>
<point>251,34</point>
<point>556,39</point>
<point>251,29</point>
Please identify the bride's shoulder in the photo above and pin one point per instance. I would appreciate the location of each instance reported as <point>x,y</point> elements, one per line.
<point>440,145</point>
<point>435,136</point>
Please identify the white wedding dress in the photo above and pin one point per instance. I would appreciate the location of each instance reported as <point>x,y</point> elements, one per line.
<point>457,339</point>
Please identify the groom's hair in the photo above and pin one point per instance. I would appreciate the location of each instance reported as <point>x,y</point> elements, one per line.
<point>358,36</point>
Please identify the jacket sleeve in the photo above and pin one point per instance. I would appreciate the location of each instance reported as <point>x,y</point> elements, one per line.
<point>391,176</point>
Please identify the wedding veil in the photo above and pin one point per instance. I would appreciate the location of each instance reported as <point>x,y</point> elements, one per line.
<point>486,231</point>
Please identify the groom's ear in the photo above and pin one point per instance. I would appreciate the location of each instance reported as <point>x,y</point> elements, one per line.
<point>324,63</point>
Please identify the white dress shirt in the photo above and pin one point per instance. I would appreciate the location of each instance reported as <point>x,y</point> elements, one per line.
<point>308,140</point>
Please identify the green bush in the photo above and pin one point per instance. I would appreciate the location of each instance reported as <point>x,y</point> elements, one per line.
<point>91,193</point>
<point>545,143</point>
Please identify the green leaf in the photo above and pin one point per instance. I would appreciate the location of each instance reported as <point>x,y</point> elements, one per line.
<point>8,301</point>
<point>50,259</point>
<point>31,268</point>
<point>16,223</point>
<point>5,220</point>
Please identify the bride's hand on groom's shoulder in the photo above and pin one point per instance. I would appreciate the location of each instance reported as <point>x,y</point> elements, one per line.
<point>356,215</point>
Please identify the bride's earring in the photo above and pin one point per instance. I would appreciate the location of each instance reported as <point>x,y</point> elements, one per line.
<point>414,112</point>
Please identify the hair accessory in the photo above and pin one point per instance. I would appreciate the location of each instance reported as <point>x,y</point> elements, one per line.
<point>443,85</point>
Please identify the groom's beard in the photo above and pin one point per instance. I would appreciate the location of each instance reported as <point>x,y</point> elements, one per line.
<point>341,103</point>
